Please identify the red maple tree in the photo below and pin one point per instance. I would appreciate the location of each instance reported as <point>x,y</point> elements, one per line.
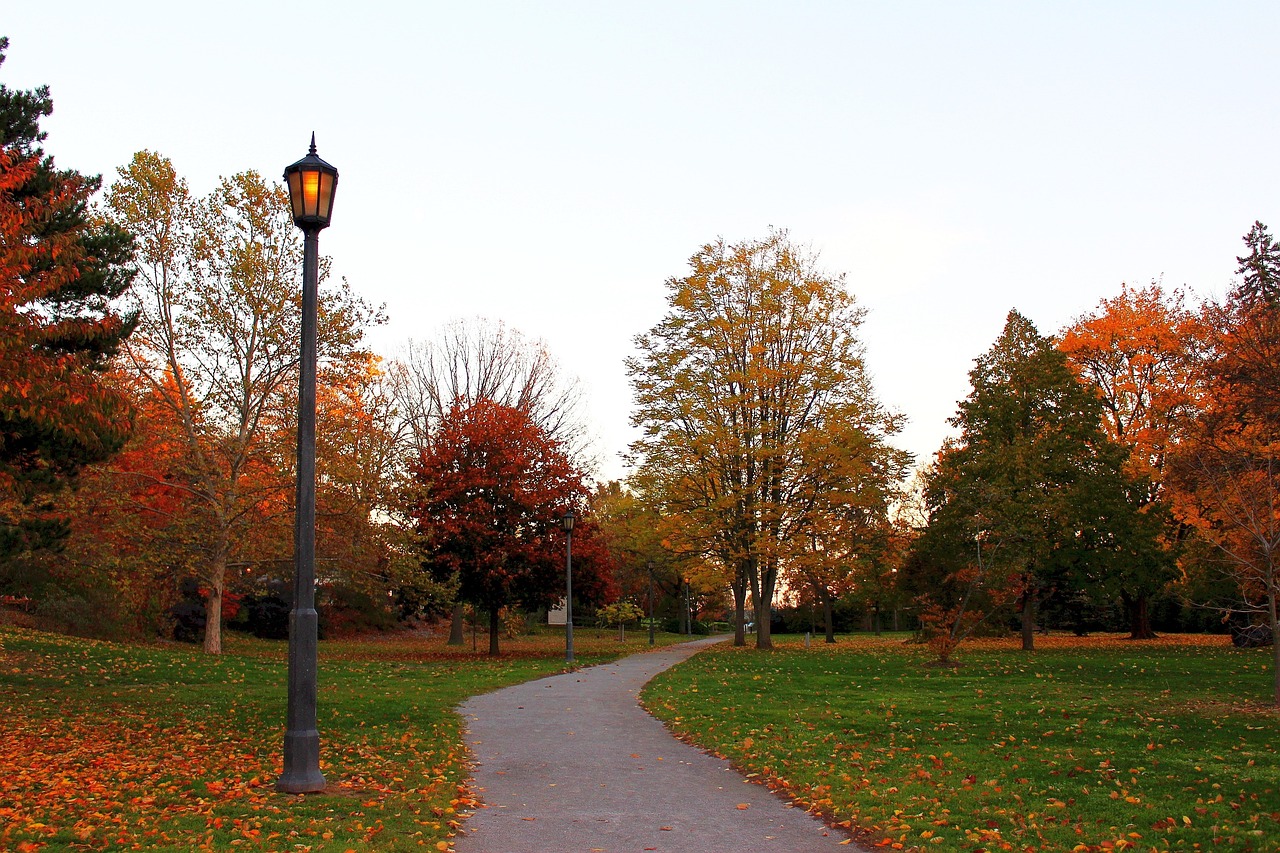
<point>495,488</point>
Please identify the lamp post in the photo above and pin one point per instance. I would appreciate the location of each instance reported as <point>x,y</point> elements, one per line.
<point>688,610</point>
<point>651,602</point>
<point>311,182</point>
<point>567,524</point>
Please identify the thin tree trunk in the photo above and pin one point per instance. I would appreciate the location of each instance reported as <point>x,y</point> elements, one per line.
<point>494,623</point>
<point>827,609</point>
<point>457,630</point>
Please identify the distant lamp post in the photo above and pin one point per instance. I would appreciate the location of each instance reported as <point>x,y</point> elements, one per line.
<point>651,602</point>
<point>567,524</point>
<point>311,182</point>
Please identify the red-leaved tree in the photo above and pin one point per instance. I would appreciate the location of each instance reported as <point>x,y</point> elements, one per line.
<point>494,489</point>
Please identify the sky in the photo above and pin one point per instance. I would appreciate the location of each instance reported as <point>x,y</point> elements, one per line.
<point>552,164</point>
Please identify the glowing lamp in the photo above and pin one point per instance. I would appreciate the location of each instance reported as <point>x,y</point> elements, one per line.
<point>312,183</point>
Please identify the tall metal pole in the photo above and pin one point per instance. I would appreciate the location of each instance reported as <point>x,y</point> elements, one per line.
<point>568,596</point>
<point>651,602</point>
<point>301,740</point>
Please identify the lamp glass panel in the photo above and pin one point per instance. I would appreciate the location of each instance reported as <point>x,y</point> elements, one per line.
<point>325,195</point>
<point>310,192</point>
<point>295,193</point>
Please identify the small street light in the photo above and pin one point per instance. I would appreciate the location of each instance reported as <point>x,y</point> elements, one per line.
<point>567,524</point>
<point>651,602</point>
<point>311,182</point>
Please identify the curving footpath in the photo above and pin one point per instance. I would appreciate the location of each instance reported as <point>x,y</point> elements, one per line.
<point>573,764</point>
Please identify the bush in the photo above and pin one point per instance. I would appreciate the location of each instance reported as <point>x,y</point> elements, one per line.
<point>265,614</point>
<point>345,611</point>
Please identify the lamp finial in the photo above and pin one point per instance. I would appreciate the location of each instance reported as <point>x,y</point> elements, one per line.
<point>313,143</point>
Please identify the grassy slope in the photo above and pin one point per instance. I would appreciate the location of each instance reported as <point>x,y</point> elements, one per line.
<point>164,747</point>
<point>1089,745</point>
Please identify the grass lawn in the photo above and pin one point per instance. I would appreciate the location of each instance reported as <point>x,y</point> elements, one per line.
<point>165,748</point>
<point>1085,744</point>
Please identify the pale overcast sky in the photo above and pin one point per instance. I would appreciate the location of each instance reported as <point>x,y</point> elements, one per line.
<point>550,164</point>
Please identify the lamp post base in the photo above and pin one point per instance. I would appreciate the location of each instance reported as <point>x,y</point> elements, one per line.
<point>301,764</point>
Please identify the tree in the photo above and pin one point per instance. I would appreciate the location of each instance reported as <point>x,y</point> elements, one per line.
<point>755,358</point>
<point>1140,351</point>
<point>1032,476</point>
<point>61,273</point>
<point>1228,470</point>
<point>473,360</point>
<point>217,345</point>
<point>495,487</point>
<point>1259,270</point>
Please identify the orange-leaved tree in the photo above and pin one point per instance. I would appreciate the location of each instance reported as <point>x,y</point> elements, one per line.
<point>1228,470</point>
<point>1140,351</point>
<point>217,345</point>
<point>494,490</point>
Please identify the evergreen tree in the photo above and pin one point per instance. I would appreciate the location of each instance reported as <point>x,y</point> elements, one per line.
<point>1260,268</point>
<point>1033,479</point>
<point>60,273</point>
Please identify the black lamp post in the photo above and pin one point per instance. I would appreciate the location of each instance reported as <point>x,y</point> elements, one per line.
<point>651,602</point>
<point>311,182</point>
<point>567,523</point>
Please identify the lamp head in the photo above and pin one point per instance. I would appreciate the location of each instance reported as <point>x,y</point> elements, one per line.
<point>311,183</point>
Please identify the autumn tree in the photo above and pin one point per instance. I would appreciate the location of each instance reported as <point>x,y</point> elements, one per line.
<point>1032,477</point>
<point>1140,350</point>
<point>494,488</point>
<point>61,274</point>
<point>1228,469</point>
<point>217,345</point>
<point>478,359</point>
<point>755,359</point>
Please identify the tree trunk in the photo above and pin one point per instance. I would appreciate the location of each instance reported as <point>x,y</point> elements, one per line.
<point>1029,620</point>
<point>213,621</point>
<point>764,602</point>
<point>494,627</point>
<point>213,605</point>
<point>1139,616</point>
<point>457,630</point>
<point>764,633</point>
<point>827,617</point>
<point>877,616</point>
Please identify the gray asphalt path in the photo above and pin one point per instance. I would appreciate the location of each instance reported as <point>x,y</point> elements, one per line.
<point>572,763</point>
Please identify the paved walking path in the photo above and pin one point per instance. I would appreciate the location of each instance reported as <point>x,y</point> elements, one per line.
<point>572,764</point>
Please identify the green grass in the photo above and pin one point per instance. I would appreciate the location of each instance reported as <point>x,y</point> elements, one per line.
<point>165,748</point>
<point>1088,744</point>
